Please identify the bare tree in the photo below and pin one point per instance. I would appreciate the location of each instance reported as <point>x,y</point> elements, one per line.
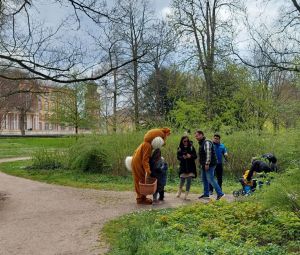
<point>203,22</point>
<point>76,105</point>
<point>35,49</point>
<point>110,41</point>
<point>137,21</point>
<point>155,87</point>
<point>279,43</point>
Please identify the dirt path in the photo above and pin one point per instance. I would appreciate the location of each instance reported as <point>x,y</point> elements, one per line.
<point>41,219</point>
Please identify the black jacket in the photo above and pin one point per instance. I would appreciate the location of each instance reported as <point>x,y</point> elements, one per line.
<point>258,166</point>
<point>187,165</point>
<point>202,153</point>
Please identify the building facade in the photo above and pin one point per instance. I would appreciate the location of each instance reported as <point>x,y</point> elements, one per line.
<point>27,107</point>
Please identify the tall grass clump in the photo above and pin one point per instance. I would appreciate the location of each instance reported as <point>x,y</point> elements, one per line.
<point>88,154</point>
<point>118,146</point>
<point>242,146</point>
<point>103,153</point>
<point>48,159</point>
<point>284,192</point>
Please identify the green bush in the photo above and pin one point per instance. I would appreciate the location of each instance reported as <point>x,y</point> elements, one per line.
<point>88,155</point>
<point>48,159</point>
<point>284,192</point>
<point>243,146</point>
<point>213,228</point>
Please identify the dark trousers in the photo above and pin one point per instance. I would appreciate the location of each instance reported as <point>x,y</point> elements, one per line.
<point>219,175</point>
<point>160,191</point>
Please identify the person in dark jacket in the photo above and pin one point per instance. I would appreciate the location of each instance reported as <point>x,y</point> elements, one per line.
<point>208,162</point>
<point>258,166</point>
<point>186,154</point>
<point>158,169</point>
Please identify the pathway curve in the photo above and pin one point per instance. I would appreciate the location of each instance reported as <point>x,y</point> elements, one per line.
<point>40,219</point>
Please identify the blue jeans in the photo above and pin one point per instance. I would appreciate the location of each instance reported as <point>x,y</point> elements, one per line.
<point>208,177</point>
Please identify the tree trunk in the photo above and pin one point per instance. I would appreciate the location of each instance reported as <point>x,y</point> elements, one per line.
<point>115,102</point>
<point>22,122</point>
<point>135,94</point>
<point>157,86</point>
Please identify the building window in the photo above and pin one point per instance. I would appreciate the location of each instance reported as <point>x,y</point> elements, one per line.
<point>46,105</point>
<point>40,104</point>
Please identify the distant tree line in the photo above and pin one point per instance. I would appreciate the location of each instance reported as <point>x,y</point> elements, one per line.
<point>184,70</point>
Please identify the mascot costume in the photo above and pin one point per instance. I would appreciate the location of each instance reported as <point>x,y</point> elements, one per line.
<point>139,162</point>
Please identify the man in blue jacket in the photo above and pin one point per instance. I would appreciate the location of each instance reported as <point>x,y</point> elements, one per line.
<point>221,152</point>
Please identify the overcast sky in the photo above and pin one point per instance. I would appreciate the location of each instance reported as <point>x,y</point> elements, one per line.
<point>260,11</point>
<point>257,9</point>
<point>162,6</point>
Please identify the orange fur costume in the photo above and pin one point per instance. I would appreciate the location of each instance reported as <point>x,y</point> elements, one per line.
<point>140,160</point>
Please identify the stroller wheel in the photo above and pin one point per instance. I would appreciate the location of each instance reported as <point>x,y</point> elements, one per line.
<point>244,192</point>
<point>236,193</point>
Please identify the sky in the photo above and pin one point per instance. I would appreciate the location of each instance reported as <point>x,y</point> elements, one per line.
<point>257,9</point>
<point>45,9</point>
<point>162,6</point>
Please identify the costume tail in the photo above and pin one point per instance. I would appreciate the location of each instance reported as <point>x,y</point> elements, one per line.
<point>128,165</point>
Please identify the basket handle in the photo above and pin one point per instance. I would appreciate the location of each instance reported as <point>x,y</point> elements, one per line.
<point>146,175</point>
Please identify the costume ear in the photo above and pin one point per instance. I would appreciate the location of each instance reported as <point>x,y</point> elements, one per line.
<point>157,142</point>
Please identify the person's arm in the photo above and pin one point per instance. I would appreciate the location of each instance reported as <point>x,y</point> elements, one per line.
<point>147,149</point>
<point>225,154</point>
<point>207,149</point>
<point>253,168</point>
<point>179,154</point>
<point>193,152</point>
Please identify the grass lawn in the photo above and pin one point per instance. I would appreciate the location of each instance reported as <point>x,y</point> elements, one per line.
<point>92,180</point>
<point>21,147</point>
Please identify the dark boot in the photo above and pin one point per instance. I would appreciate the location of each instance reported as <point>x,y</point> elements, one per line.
<point>162,195</point>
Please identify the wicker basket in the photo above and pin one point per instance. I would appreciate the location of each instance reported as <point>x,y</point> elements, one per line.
<point>148,186</point>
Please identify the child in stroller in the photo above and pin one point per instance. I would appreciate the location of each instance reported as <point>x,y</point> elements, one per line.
<point>258,165</point>
<point>250,185</point>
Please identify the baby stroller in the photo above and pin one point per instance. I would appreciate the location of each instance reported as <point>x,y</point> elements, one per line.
<point>248,187</point>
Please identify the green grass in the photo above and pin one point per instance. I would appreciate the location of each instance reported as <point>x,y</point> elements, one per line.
<point>242,147</point>
<point>214,228</point>
<point>93,180</point>
<point>68,177</point>
<point>21,147</point>
<point>250,226</point>
<point>266,223</point>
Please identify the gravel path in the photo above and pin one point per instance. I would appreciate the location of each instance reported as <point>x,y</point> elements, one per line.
<point>41,219</point>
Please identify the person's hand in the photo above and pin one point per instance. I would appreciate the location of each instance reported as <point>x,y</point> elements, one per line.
<point>206,167</point>
<point>148,176</point>
<point>188,155</point>
<point>226,159</point>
